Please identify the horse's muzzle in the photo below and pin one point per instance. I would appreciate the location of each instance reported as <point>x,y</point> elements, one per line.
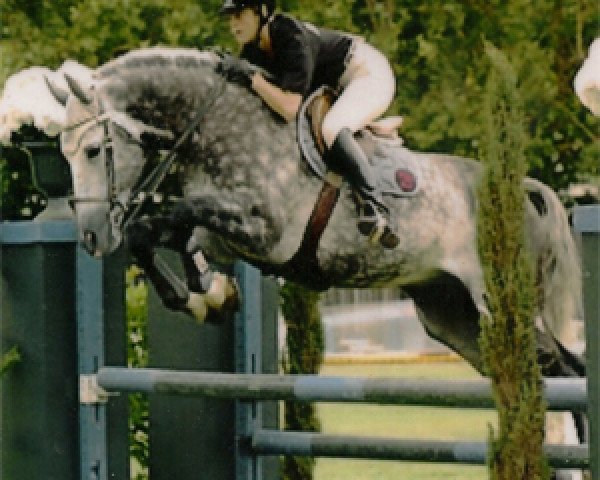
<point>97,235</point>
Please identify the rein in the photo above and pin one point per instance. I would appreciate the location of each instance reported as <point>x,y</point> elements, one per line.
<point>151,183</point>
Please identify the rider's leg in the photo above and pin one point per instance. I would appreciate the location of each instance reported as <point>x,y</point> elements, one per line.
<point>367,89</point>
<point>346,154</point>
<point>368,71</point>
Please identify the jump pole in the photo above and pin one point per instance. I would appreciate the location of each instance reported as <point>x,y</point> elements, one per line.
<point>276,442</point>
<point>560,393</point>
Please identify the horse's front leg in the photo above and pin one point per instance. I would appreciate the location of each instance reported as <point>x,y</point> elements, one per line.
<point>142,236</point>
<point>212,293</point>
<point>204,291</point>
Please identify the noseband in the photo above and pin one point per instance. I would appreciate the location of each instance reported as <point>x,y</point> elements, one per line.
<point>124,210</point>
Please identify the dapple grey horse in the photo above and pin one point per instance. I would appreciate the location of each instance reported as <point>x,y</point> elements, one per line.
<point>246,192</point>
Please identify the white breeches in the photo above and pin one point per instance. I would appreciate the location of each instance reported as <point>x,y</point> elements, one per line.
<point>368,87</point>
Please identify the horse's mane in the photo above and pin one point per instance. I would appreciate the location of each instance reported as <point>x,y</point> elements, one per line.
<point>150,83</point>
<point>162,87</point>
<point>158,57</point>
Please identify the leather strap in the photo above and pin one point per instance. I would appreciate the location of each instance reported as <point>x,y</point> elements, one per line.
<point>304,265</point>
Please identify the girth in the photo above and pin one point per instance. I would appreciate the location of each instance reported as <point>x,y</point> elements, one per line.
<point>303,266</point>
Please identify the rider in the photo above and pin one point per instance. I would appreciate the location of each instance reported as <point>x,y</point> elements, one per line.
<point>301,58</point>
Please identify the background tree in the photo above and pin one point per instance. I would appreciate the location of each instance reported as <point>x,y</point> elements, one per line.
<point>436,48</point>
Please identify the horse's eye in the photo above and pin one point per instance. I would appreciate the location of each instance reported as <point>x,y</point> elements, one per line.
<point>92,151</point>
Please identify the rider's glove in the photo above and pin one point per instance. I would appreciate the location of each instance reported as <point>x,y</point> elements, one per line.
<point>237,70</point>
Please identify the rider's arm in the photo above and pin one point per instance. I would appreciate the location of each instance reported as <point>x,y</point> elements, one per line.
<point>283,102</point>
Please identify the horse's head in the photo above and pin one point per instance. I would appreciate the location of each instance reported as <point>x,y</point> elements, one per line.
<point>104,149</point>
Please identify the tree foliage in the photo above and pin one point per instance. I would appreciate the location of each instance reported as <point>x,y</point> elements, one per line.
<point>8,359</point>
<point>436,49</point>
<point>137,357</point>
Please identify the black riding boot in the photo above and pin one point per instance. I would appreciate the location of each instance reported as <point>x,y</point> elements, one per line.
<point>351,160</point>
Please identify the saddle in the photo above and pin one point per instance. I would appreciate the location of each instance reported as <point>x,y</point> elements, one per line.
<point>318,104</point>
<point>397,170</point>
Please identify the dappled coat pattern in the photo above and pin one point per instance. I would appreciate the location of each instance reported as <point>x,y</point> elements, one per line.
<point>247,193</point>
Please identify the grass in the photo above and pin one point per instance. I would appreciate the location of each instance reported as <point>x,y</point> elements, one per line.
<point>403,422</point>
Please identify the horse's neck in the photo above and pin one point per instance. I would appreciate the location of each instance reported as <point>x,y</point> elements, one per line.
<point>238,145</point>
<point>242,137</point>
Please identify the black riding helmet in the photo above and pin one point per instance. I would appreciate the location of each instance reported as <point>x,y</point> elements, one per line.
<point>230,6</point>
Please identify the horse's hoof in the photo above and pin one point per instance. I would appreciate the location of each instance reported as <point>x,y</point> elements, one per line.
<point>216,305</point>
<point>216,293</point>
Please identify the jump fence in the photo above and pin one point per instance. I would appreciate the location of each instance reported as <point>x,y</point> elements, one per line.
<point>212,389</point>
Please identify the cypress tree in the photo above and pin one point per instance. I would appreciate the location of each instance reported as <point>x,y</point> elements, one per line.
<point>508,333</point>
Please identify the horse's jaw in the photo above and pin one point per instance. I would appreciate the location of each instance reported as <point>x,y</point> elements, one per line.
<point>96,234</point>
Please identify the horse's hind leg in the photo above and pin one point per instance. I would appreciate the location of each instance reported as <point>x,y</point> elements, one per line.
<point>556,361</point>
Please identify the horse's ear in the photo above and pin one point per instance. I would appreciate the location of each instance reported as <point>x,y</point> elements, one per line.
<point>78,90</point>
<point>60,94</point>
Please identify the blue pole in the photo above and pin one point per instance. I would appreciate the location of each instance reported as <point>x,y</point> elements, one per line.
<point>248,359</point>
<point>90,341</point>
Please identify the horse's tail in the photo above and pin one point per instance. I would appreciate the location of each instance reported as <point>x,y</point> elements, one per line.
<point>558,266</point>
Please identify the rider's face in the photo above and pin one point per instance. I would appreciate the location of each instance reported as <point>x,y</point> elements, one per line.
<point>244,25</point>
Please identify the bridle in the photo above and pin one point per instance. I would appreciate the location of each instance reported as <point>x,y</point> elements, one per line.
<point>125,207</point>
<point>118,204</point>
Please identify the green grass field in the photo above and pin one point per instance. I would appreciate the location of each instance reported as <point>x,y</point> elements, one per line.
<point>403,422</point>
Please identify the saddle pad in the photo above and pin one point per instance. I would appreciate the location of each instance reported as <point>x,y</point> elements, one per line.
<point>397,168</point>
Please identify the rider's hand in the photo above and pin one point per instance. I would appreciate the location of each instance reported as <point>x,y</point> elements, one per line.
<point>237,70</point>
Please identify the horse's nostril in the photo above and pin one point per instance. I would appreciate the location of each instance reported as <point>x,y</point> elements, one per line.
<point>90,241</point>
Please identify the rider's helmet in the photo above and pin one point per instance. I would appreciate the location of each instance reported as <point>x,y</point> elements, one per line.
<point>265,7</point>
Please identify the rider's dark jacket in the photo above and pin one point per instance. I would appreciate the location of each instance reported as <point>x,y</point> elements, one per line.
<point>304,56</point>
